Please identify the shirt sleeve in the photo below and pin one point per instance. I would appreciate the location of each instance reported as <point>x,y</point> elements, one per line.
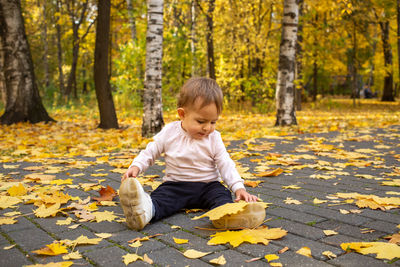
<point>153,150</point>
<point>226,166</point>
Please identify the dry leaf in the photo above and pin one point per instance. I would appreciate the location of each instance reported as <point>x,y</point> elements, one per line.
<point>7,220</point>
<point>194,254</point>
<point>106,194</point>
<point>136,244</point>
<point>289,200</point>
<point>52,250</point>
<point>53,264</point>
<point>147,259</point>
<point>8,202</point>
<point>330,232</point>
<point>180,241</point>
<point>64,222</point>
<point>305,251</point>
<point>319,201</point>
<point>271,257</point>
<point>43,211</point>
<point>104,235</point>
<point>292,186</point>
<point>17,190</point>
<point>219,261</point>
<point>395,238</point>
<point>9,247</point>
<point>226,209</point>
<point>275,172</point>
<point>130,257</point>
<point>276,264</point>
<point>104,216</point>
<point>82,240</point>
<point>382,250</point>
<point>329,254</point>
<point>342,211</point>
<point>283,250</point>
<point>253,236</point>
<point>72,256</point>
<point>252,183</point>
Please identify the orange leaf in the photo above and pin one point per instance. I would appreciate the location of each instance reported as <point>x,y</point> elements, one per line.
<point>106,194</point>
<point>52,250</point>
<point>275,172</point>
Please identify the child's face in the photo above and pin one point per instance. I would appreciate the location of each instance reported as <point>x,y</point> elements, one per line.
<point>199,121</point>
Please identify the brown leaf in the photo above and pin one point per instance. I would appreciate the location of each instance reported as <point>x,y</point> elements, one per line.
<point>106,194</point>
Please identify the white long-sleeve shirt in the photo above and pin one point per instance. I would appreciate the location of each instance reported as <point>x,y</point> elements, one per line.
<point>190,160</point>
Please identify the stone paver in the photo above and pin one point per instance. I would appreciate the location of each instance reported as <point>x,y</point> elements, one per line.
<point>305,222</point>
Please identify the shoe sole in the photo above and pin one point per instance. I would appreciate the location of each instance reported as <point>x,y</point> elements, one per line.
<point>130,198</point>
<point>252,216</point>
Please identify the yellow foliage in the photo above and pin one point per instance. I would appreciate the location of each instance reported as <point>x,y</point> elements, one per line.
<point>194,254</point>
<point>235,238</point>
<point>17,190</point>
<point>226,209</point>
<point>52,250</point>
<point>382,250</point>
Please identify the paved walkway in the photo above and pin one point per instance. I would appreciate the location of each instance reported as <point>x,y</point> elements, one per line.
<point>320,165</point>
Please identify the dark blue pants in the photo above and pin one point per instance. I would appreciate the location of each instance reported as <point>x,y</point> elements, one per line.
<point>170,197</point>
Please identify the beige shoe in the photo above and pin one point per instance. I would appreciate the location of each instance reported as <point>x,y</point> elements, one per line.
<point>251,216</point>
<point>136,203</point>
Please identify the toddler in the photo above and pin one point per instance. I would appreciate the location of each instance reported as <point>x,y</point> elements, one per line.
<point>195,158</point>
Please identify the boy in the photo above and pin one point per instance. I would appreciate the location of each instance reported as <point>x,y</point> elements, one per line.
<point>195,158</point>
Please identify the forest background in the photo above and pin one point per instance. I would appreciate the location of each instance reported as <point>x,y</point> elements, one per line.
<point>343,47</point>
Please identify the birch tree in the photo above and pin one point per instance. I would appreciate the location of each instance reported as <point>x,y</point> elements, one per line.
<point>285,89</point>
<point>152,101</point>
<point>23,102</point>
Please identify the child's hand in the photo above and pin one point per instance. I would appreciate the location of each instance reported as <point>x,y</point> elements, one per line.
<point>242,194</point>
<point>131,172</point>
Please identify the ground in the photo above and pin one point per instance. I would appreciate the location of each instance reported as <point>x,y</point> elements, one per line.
<point>316,167</point>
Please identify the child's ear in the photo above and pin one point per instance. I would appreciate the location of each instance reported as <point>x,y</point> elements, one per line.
<point>181,113</point>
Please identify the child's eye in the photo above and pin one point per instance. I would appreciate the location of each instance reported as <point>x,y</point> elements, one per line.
<point>213,122</point>
<point>201,122</point>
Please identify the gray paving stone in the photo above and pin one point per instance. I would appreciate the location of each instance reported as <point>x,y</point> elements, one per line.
<point>234,258</point>
<point>21,224</point>
<point>110,256</point>
<point>294,215</point>
<point>336,240</point>
<point>300,229</point>
<point>290,258</point>
<point>13,258</point>
<point>31,239</point>
<point>258,250</point>
<point>355,260</point>
<point>123,237</point>
<point>106,226</point>
<point>383,226</point>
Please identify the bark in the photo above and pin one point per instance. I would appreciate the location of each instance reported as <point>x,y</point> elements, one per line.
<point>23,102</point>
<point>108,117</point>
<point>193,40</point>
<point>59,52</point>
<point>132,22</point>
<point>299,59</point>
<point>2,79</point>
<point>388,93</point>
<point>285,108</point>
<point>209,38</point>
<point>398,37</point>
<point>152,101</point>
<point>45,48</point>
<point>354,83</point>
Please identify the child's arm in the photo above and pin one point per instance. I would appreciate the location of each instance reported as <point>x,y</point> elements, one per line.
<point>242,194</point>
<point>131,172</point>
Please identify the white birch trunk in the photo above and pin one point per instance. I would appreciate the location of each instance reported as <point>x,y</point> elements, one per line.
<point>285,108</point>
<point>152,101</point>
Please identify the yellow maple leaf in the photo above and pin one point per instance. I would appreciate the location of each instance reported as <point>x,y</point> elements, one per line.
<point>271,257</point>
<point>5,220</point>
<point>219,261</point>
<point>394,182</point>
<point>305,251</point>
<point>180,241</point>
<point>72,256</point>
<point>61,182</point>
<point>53,264</point>
<point>67,221</point>
<point>17,190</point>
<point>194,254</point>
<point>226,209</point>
<point>104,235</point>
<point>382,250</point>
<point>329,254</point>
<point>43,211</point>
<point>290,200</point>
<point>272,173</point>
<point>292,186</point>
<point>330,232</point>
<point>8,202</point>
<point>131,257</point>
<point>52,250</point>
<point>253,236</point>
<point>104,216</point>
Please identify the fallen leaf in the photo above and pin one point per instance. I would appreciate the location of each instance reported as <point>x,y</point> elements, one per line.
<point>329,254</point>
<point>17,190</point>
<point>318,201</point>
<point>9,247</point>
<point>106,194</point>
<point>330,232</point>
<point>253,259</point>
<point>8,202</point>
<point>292,186</point>
<point>226,209</point>
<point>180,241</point>
<point>395,238</point>
<point>271,257</point>
<point>305,251</point>
<point>252,183</point>
<point>72,256</point>
<point>273,173</point>
<point>283,250</point>
<point>103,235</point>
<point>7,220</point>
<point>43,211</point>
<point>104,216</point>
<point>53,264</point>
<point>136,244</point>
<point>52,250</point>
<point>342,211</point>
<point>194,254</point>
<point>253,236</point>
<point>131,257</point>
<point>219,261</point>
<point>382,250</point>
<point>289,200</point>
<point>147,259</point>
<point>81,240</point>
<point>64,222</point>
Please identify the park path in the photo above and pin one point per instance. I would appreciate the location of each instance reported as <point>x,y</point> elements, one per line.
<point>316,167</point>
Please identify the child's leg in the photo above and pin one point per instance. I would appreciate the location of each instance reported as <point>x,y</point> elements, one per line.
<point>215,194</point>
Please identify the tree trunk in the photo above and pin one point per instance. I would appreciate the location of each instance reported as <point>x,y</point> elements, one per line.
<point>209,38</point>
<point>108,117</point>
<point>45,47</point>
<point>398,37</point>
<point>59,51</point>
<point>23,102</point>
<point>71,84</point>
<point>132,22</point>
<point>299,59</point>
<point>2,79</point>
<point>354,83</point>
<point>388,94</point>
<point>193,40</point>
<point>152,101</point>
<point>285,111</point>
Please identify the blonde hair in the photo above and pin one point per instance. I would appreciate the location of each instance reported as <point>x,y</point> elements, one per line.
<point>200,87</point>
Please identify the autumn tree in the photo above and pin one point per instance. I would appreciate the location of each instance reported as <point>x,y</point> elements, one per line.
<point>152,101</point>
<point>108,117</point>
<point>285,89</point>
<point>23,102</point>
